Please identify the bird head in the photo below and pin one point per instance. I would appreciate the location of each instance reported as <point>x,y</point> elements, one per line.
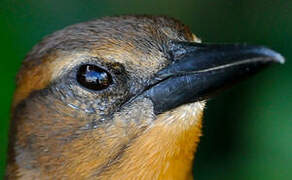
<point>120,98</point>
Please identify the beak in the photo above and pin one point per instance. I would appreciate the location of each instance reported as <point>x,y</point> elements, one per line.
<point>198,71</point>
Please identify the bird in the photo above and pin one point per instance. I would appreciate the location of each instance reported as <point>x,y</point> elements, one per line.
<point>120,97</point>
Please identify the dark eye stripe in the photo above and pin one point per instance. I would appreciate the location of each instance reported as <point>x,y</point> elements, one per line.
<point>93,77</point>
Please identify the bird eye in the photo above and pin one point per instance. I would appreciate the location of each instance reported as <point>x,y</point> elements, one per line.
<point>93,77</point>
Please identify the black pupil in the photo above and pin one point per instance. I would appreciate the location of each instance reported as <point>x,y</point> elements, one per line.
<point>93,77</point>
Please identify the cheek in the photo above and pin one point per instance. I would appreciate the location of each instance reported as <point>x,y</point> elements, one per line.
<point>135,117</point>
<point>101,103</point>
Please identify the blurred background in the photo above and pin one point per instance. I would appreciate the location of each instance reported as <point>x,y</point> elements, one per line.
<point>247,130</point>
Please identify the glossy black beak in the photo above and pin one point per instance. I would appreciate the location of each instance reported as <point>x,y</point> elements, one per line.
<point>200,70</point>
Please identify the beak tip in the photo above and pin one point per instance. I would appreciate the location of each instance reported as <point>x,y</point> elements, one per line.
<point>275,56</point>
<point>278,58</point>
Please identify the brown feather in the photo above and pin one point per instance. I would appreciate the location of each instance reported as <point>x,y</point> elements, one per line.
<point>60,130</point>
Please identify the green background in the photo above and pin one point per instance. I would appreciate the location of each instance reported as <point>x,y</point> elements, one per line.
<point>247,130</point>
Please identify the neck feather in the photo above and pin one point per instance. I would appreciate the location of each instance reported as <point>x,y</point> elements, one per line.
<point>166,149</point>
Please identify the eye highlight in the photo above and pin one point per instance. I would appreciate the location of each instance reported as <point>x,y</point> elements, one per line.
<point>93,77</point>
